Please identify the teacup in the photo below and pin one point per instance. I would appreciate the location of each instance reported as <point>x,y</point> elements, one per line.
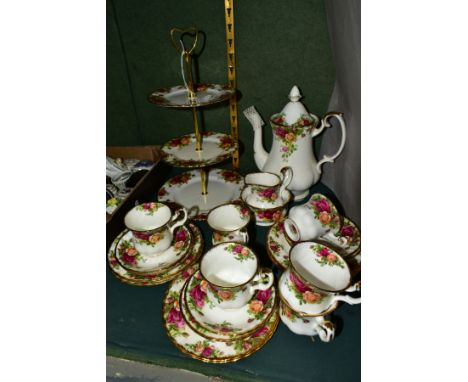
<point>233,276</point>
<point>315,277</point>
<point>307,326</point>
<point>313,219</point>
<point>265,189</point>
<point>228,223</point>
<point>152,225</point>
<point>266,216</point>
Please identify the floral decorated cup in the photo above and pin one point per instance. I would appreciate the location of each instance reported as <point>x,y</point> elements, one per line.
<point>232,274</point>
<point>265,189</point>
<point>152,225</point>
<point>266,216</point>
<point>316,275</point>
<point>312,219</point>
<point>228,223</point>
<point>307,326</point>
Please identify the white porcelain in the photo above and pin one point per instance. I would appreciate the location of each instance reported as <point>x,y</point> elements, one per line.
<point>129,257</point>
<point>181,151</point>
<point>223,187</point>
<point>230,322</point>
<point>268,182</point>
<point>307,326</point>
<point>293,130</point>
<point>278,245</point>
<point>312,219</point>
<point>228,223</point>
<point>233,273</point>
<point>348,239</point>
<point>152,225</point>
<point>315,278</point>
<point>178,96</point>
<point>197,345</point>
<point>159,276</point>
<point>266,214</point>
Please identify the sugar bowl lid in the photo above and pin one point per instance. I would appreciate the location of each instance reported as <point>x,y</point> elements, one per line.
<point>294,109</point>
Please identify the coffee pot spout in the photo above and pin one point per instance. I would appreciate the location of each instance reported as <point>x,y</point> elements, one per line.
<point>260,154</point>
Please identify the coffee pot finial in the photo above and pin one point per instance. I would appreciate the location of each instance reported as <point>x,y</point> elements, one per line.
<point>295,94</point>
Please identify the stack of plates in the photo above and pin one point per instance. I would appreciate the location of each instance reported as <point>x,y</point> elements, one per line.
<point>209,333</point>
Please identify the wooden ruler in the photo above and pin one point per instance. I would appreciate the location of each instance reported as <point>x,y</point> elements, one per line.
<point>231,59</point>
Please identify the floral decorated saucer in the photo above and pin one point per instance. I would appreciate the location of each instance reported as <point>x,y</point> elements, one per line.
<point>128,256</point>
<point>211,334</point>
<point>204,349</point>
<point>223,186</point>
<point>277,245</point>
<point>177,96</point>
<point>160,276</point>
<point>230,322</point>
<point>347,240</point>
<point>216,147</point>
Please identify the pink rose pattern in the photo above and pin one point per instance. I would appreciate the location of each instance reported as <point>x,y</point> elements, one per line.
<point>175,321</point>
<point>180,142</point>
<point>225,142</point>
<point>269,216</point>
<point>230,176</point>
<point>127,253</point>
<point>267,195</point>
<point>181,179</point>
<point>206,348</point>
<point>148,208</point>
<point>241,252</point>
<point>288,134</point>
<point>324,211</point>
<point>326,256</point>
<point>302,292</point>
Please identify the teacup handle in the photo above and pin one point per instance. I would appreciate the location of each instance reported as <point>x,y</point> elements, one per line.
<point>258,285</point>
<point>348,299</point>
<point>176,216</point>
<point>325,329</point>
<point>245,236</point>
<point>292,230</point>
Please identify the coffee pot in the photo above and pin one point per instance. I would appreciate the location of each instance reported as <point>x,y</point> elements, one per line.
<point>293,131</point>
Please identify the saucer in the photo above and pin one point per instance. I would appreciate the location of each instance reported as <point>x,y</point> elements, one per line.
<point>160,276</point>
<point>210,334</point>
<point>347,240</point>
<point>130,259</point>
<point>268,216</point>
<point>230,322</point>
<point>199,347</point>
<point>277,245</point>
<point>181,151</point>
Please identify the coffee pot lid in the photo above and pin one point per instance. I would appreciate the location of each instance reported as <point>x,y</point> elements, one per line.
<point>294,109</point>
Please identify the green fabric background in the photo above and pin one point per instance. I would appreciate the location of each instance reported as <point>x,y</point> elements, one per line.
<point>278,44</point>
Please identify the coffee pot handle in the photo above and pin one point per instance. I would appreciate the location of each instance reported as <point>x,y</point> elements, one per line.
<point>286,177</point>
<point>326,123</point>
<point>176,216</point>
